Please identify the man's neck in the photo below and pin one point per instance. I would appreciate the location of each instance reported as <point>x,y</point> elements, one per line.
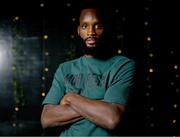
<point>88,55</point>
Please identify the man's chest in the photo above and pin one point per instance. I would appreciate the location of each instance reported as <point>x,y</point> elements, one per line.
<point>90,85</point>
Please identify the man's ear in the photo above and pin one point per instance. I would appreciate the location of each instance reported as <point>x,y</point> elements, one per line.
<point>78,30</point>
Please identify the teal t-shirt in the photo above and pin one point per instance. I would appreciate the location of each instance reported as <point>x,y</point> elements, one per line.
<point>109,80</point>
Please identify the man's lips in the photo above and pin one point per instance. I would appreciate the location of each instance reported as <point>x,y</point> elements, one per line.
<point>91,41</point>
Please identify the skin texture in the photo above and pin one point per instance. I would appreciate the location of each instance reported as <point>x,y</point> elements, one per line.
<point>74,107</point>
<point>90,28</point>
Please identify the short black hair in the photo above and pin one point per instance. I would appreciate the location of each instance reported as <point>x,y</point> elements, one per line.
<point>104,11</point>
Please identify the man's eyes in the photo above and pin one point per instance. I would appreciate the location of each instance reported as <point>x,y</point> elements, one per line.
<point>96,26</point>
<point>84,26</point>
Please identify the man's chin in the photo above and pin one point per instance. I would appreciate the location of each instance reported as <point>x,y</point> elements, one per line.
<point>90,45</point>
<point>89,49</point>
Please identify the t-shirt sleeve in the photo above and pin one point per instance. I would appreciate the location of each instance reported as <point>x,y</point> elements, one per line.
<point>122,84</point>
<point>57,89</point>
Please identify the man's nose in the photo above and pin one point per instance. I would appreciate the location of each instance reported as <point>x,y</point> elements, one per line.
<point>91,31</point>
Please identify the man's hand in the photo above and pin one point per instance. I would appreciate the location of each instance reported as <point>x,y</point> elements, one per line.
<point>102,113</point>
<point>66,99</point>
<point>62,114</point>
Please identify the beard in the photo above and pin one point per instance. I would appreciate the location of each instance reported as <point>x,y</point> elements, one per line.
<point>101,50</point>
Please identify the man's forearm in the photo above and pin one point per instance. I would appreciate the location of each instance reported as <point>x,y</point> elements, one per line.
<point>102,113</point>
<point>56,115</point>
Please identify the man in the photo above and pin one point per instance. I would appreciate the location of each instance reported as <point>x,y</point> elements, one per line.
<point>89,94</point>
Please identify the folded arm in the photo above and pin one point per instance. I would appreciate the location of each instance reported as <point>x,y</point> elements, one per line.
<point>74,107</point>
<point>58,115</point>
<point>102,113</point>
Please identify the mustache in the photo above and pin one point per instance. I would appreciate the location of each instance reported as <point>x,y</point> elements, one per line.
<point>91,37</point>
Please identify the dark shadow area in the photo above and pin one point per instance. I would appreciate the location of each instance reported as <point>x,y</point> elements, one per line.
<point>21,128</point>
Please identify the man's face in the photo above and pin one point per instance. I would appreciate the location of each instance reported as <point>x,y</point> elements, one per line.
<point>90,28</point>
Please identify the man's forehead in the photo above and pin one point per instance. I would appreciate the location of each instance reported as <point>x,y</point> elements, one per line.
<point>89,11</point>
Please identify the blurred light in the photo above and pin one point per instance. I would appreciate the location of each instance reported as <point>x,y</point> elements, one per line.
<point>73,19</point>
<point>174,121</point>
<point>149,86</point>
<point>177,90</point>
<point>172,83</point>
<point>46,53</point>
<point>177,75</point>
<point>42,5</point>
<point>123,19</point>
<point>13,124</point>
<point>171,52</point>
<point>175,67</point>
<point>45,36</point>
<point>151,55</point>
<point>43,78</point>
<point>16,18</point>
<point>145,23</point>
<point>116,11</point>
<point>175,105</point>
<point>148,38</point>
<point>151,70</point>
<point>68,4</point>
<point>119,36</point>
<point>147,94</point>
<point>16,109</point>
<point>13,67</point>
<point>46,69</point>
<point>43,94</point>
<point>151,108</point>
<point>146,8</point>
<point>152,125</point>
<point>119,51</point>
<point>72,36</point>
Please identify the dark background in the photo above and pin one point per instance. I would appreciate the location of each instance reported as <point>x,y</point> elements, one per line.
<point>25,56</point>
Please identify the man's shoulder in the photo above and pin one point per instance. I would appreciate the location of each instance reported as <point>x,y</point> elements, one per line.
<point>121,58</point>
<point>69,63</point>
<point>67,66</point>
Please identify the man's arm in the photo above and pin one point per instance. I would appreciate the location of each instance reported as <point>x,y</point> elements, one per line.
<point>102,113</point>
<point>57,115</point>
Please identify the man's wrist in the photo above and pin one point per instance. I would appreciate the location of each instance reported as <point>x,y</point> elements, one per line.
<point>71,97</point>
